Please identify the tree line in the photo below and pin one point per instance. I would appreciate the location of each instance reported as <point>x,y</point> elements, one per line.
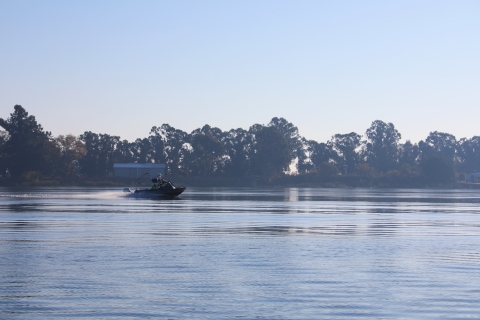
<point>273,150</point>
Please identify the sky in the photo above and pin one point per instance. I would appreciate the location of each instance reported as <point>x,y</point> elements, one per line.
<point>122,67</point>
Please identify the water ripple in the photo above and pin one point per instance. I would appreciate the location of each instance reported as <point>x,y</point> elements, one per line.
<point>240,253</point>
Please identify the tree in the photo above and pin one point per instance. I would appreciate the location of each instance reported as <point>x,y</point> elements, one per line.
<point>26,145</point>
<point>256,128</point>
<point>272,155</point>
<point>208,151</point>
<point>176,147</point>
<point>238,145</point>
<point>469,154</point>
<point>158,149</point>
<point>142,150</point>
<point>327,169</point>
<point>319,153</point>
<point>100,153</point>
<point>71,150</point>
<point>291,134</point>
<point>207,155</point>
<point>345,153</point>
<point>3,156</point>
<point>214,132</point>
<point>381,146</point>
<point>3,138</point>
<point>364,170</point>
<point>125,152</point>
<point>439,144</point>
<point>438,170</point>
<point>409,154</point>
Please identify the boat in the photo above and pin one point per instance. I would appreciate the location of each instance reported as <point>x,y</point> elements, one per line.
<point>161,188</point>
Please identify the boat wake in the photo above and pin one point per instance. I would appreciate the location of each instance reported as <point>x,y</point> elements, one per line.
<point>63,195</point>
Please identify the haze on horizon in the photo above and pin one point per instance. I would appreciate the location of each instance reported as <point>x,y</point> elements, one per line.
<point>121,67</point>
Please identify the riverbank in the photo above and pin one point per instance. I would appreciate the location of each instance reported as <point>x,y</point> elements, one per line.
<point>252,181</point>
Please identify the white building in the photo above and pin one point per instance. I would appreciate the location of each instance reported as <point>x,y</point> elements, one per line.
<point>473,177</point>
<point>136,170</point>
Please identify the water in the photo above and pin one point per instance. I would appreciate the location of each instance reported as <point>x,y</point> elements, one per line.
<point>240,253</point>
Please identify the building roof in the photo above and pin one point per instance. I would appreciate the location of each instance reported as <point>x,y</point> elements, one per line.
<point>140,165</point>
<point>475,174</point>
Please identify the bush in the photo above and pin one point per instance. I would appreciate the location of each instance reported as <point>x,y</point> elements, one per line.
<point>327,169</point>
<point>364,170</point>
<point>31,177</point>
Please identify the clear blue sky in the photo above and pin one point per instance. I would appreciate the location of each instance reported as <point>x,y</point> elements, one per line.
<point>121,67</point>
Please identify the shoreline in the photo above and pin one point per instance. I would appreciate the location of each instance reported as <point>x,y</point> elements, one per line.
<point>254,181</point>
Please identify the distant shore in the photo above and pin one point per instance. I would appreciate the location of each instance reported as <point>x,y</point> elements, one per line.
<point>253,181</point>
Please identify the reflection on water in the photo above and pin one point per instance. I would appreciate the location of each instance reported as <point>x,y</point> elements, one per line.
<point>221,253</point>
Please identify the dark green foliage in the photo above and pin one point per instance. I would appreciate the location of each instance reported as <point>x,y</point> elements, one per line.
<point>238,145</point>
<point>290,133</point>
<point>272,153</point>
<point>207,154</point>
<point>381,146</point>
<point>25,145</point>
<point>268,152</point>
<point>3,154</point>
<point>71,150</point>
<point>437,170</point>
<point>345,151</point>
<point>364,170</point>
<point>176,148</point>
<point>100,153</point>
<point>439,144</point>
<point>320,153</point>
<point>126,152</point>
<point>469,154</point>
<point>409,154</point>
<point>327,169</point>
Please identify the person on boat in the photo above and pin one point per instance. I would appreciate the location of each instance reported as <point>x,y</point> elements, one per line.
<point>161,182</point>
<point>154,187</point>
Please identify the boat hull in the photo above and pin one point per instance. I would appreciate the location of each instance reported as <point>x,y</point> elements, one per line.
<point>149,193</point>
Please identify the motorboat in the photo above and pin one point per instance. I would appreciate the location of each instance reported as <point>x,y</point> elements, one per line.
<point>161,188</point>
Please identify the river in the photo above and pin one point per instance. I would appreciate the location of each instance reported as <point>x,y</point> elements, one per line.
<point>222,253</point>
